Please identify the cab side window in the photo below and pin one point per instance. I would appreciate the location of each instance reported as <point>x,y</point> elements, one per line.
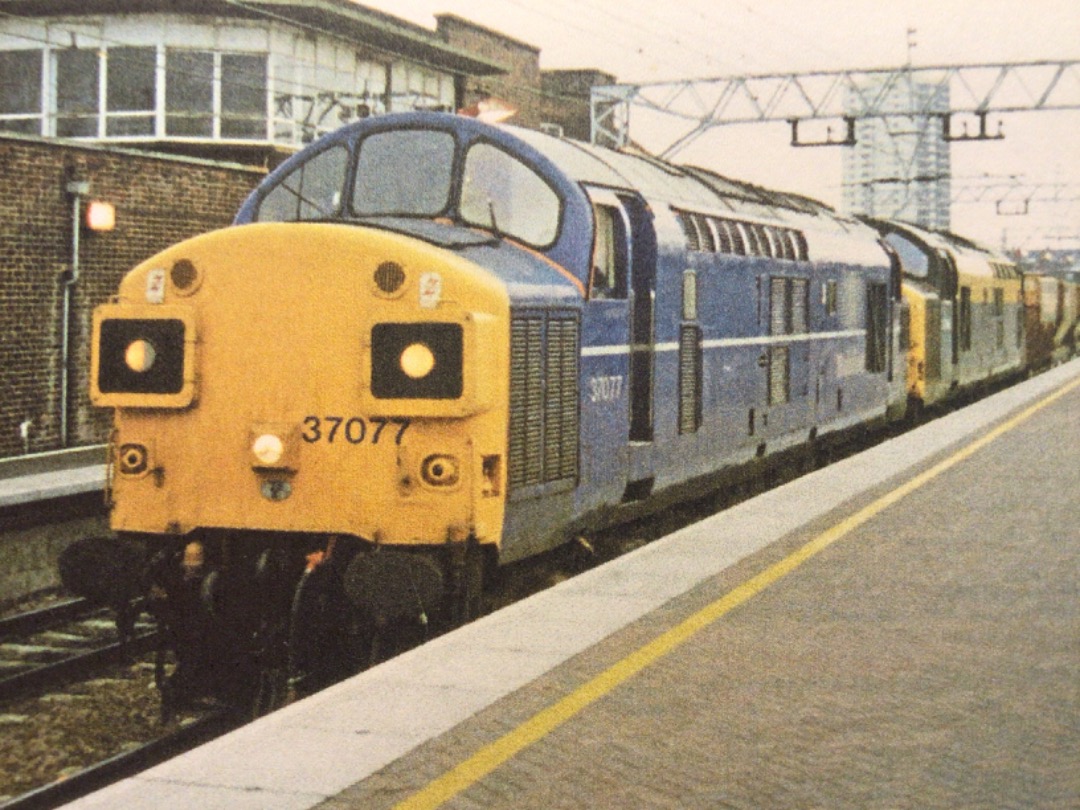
<point>608,277</point>
<point>311,191</point>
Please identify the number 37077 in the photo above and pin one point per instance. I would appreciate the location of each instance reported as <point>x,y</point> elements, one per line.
<point>354,430</point>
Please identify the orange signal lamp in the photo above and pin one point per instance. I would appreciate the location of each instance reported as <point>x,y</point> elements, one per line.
<point>100,216</point>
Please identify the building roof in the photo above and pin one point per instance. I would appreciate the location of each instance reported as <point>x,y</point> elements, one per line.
<point>454,19</point>
<point>341,18</point>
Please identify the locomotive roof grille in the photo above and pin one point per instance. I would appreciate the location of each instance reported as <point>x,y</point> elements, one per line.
<point>710,234</point>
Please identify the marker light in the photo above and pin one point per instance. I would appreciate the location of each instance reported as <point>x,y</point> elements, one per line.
<point>140,356</point>
<point>417,361</point>
<point>268,448</point>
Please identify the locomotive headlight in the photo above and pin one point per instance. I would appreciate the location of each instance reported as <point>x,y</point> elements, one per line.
<point>417,361</point>
<point>268,449</point>
<point>140,356</point>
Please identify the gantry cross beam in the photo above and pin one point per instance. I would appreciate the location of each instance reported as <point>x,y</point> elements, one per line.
<point>698,105</point>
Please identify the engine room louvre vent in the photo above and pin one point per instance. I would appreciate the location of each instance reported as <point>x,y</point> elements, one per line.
<point>933,340</point>
<point>709,234</point>
<point>693,240</point>
<point>543,441</point>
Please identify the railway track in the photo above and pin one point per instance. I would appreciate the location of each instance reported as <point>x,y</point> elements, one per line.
<point>127,763</point>
<point>41,618</point>
<point>54,633</point>
<point>70,640</point>
<point>69,686</point>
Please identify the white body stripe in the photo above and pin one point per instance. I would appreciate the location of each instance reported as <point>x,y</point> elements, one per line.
<point>722,343</point>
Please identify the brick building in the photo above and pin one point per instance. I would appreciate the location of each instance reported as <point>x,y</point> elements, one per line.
<point>241,81</point>
<point>158,200</point>
<point>252,82</point>
<point>555,98</point>
<point>566,99</point>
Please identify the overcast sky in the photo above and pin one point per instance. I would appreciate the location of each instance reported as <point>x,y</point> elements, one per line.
<point>646,40</point>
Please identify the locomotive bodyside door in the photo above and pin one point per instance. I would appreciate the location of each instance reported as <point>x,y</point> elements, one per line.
<point>642,338</point>
<point>618,346</point>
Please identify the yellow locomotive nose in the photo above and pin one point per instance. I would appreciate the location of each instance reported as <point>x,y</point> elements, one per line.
<point>300,413</point>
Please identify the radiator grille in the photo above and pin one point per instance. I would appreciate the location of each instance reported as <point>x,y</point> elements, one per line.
<point>788,306</point>
<point>932,340</point>
<point>561,402</point>
<point>779,375</point>
<point>799,293</point>
<point>543,442</point>
<point>779,323</point>
<point>877,327</point>
<point>689,379</point>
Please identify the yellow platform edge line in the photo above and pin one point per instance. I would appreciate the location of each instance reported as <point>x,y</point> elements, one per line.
<point>491,756</point>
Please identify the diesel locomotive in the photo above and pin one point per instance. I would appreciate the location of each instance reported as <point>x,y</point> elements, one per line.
<point>429,347</point>
<point>966,312</point>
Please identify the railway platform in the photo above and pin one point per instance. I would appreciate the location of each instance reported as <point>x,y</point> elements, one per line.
<point>897,630</point>
<point>47,500</point>
<point>44,476</point>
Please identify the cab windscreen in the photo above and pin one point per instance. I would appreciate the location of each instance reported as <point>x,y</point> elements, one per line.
<point>141,356</point>
<point>416,360</point>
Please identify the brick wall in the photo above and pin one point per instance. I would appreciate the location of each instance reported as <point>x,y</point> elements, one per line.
<point>520,85</point>
<point>541,96</point>
<point>158,200</point>
<point>567,99</point>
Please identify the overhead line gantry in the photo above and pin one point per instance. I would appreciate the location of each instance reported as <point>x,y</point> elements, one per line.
<point>977,90</point>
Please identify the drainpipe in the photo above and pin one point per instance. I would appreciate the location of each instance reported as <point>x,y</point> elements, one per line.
<point>77,189</point>
<point>24,433</point>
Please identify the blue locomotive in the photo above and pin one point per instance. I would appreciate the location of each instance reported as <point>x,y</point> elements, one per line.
<point>431,346</point>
